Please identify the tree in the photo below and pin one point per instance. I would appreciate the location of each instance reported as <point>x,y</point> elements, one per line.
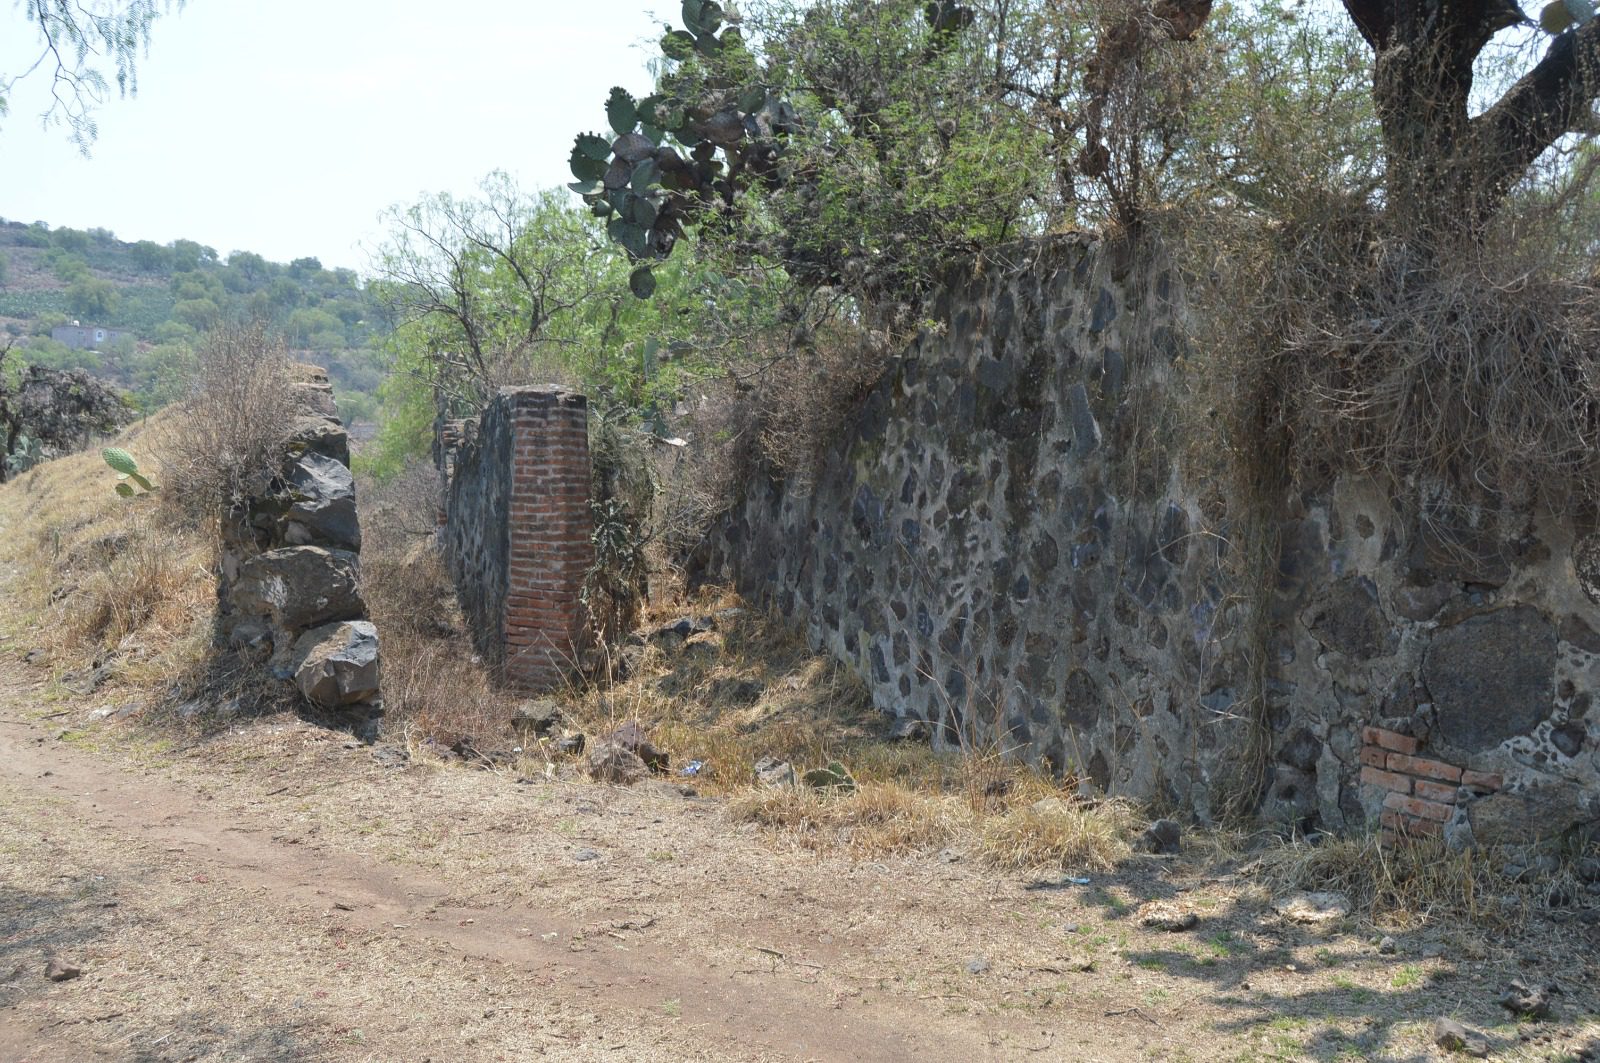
<point>1448,168</point>
<point>74,40</point>
<point>93,299</point>
<point>486,277</point>
<point>5,269</point>
<point>150,257</point>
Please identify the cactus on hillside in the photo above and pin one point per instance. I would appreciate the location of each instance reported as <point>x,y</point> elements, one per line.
<point>127,469</point>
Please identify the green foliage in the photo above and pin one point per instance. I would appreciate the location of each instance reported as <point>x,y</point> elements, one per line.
<point>860,147</point>
<point>26,452</point>
<point>93,300</point>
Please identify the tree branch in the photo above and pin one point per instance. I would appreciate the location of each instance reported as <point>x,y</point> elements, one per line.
<point>1546,103</point>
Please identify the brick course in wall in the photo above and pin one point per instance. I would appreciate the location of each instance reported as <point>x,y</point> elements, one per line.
<point>1420,793</point>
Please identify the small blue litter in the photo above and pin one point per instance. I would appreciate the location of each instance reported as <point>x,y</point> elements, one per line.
<point>693,767</point>
<point>1077,881</point>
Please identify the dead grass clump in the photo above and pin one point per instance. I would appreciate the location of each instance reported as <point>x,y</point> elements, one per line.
<point>878,819</point>
<point>227,433</point>
<point>889,818</point>
<point>1060,834</point>
<point>779,417</point>
<point>1403,884</point>
<point>122,596</point>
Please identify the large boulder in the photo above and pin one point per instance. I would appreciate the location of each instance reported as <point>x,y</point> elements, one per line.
<point>322,502</point>
<point>337,664</point>
<point>300,587</point>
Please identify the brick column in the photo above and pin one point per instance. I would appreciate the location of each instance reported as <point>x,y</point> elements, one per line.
<point>548,532</point>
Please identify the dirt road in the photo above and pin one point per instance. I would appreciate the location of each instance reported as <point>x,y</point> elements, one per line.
<point>276,892</point>
<point>208,927</point>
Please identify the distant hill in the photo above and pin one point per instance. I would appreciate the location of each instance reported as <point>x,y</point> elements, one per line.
<point>165,295</point>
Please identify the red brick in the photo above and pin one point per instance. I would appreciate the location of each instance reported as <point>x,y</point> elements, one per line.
<point>1482,780</point>
<point>1390,740</point>
<point>1444,793</point>
<point>1385,780</point>
<point>1428,769</point>
<point>1374,756</point>
<point>1413,806</point>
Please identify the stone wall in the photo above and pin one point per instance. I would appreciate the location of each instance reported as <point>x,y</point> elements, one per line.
<point>290,589</point>
<point>517,528</point>
<point>1012,545</point>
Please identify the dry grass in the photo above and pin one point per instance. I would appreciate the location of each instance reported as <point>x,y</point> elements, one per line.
<point>224,439</point>
<point>434,684</point>
<point>105,583</point>
<point>1406,885</point>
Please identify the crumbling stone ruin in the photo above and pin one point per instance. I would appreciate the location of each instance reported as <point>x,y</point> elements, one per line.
<point>1020,546</point>
<point>516,531</point>
<point>1013,546</point>
<point>290,590</point>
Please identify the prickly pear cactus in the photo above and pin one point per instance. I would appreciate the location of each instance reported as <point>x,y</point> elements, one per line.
<point>127,469</point>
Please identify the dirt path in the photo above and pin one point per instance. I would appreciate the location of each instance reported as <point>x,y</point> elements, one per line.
<point>273,891</point>
<point>153,887</point>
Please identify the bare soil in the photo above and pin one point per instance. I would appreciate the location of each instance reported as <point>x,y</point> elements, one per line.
<point>272,890</point>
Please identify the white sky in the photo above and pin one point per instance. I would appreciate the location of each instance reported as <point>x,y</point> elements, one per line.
<point>284,126</point>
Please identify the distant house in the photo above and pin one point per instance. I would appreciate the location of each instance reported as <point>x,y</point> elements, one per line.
<point>86,337</point>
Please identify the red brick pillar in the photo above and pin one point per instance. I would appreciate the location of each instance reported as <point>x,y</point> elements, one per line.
<point>549,550</point>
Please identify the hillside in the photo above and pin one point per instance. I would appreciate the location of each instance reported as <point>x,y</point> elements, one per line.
<point>163,296</point>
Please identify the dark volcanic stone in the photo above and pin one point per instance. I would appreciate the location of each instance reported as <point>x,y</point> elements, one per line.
<point>1491,676</point>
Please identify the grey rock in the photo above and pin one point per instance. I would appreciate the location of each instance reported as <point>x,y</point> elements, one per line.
<point>1163,836</point>
<point>613,763</point>
<point>1588,868</point>
<point>1314,908</point>
<point>1586,565</point>
<point>59,970</point>
<point>319,435</point>
<point>1170,920</point>
<point>1451,1036</point>
<point>1507,818</point>
<point>683,627</point>
<point>585,855</point>
<point>1526,1001</point>
<point>322,500</point>
<point>316,399</point>
<point>1491,677</point>
<point>300,587</point>
<point>337,664</point>
<point>537,719</point>
<point>632,737</point>
<point>571,744</point>
<point>978,965</point>
<point>1387,946</point>
<point>1421,603</point>
<point>774,773</point>
<point>909,729</point>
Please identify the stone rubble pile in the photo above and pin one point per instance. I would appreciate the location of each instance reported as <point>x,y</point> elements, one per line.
<point>290,589</point>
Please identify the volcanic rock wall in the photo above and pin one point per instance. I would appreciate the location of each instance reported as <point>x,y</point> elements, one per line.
<point>1011,545</point>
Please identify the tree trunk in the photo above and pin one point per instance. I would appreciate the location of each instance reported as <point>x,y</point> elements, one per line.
<point>1449,172</point>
